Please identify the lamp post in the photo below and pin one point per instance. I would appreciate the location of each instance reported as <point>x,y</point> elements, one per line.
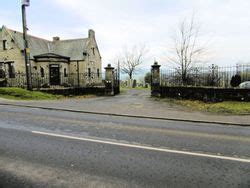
<point>26,3</point>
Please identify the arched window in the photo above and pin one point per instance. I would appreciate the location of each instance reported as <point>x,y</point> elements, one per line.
<point>98,73</point>
<point>42,72</point>
<point>89,72</point>
<point>65,72</point>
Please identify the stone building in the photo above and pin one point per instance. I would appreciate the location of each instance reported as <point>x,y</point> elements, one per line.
<point>75,62</point>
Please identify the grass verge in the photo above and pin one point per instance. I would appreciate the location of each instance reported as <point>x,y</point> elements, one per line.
<point>226,107</point>
<point>22,94</point>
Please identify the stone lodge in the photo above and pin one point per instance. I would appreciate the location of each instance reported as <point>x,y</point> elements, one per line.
<point>75,62</point>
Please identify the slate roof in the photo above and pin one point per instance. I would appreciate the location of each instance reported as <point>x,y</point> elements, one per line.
<point>73,49</point>
<point>70,48</point>
<point>51,55</point>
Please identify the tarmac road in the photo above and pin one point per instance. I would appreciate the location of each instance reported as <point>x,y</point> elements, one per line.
<point>41,148</point>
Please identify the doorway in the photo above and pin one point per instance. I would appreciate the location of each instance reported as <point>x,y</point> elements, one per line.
<point>54,72</point>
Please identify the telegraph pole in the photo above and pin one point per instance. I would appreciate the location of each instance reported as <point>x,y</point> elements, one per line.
<point>26,3</point>
<point>119,75</point>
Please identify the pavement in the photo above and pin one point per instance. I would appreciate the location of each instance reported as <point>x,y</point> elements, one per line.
<point>135,103</point>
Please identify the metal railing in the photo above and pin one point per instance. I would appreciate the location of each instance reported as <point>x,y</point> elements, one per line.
<point>46,80</point>
<point>214,76</point>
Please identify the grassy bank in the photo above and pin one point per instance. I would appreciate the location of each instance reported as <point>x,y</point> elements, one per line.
<point>226,107</point>
<point>22,94</point>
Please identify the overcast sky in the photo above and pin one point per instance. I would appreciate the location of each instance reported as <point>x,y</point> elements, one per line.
<point>225,24</point>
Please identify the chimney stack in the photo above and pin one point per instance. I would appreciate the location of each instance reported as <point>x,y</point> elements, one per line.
<point>91,33</point>
<point>56,39</point>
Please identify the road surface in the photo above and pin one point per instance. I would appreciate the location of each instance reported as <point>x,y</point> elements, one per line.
<point>44,148</point>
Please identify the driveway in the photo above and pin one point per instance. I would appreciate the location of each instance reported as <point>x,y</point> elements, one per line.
<point>135,103</point>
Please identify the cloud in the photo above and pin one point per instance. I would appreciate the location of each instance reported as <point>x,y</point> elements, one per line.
<point>119,23</point>
<point>225,24</point>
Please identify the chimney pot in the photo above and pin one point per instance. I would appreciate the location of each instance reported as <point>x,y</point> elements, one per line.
<point>56,39</point>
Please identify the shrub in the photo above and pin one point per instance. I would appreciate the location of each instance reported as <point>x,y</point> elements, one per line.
<point>46,85</point>
<point>65,84</point>
<point>3,82</point>
<point>235,81</point>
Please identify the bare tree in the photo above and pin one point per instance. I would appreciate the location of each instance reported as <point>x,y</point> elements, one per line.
<point>187,51</point>
<point>131,59</point>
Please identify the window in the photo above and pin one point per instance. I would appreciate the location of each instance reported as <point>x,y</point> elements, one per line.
<point>4,44</point>
<point>11,70</point>
<point>42,72</point>
<point>2,72</point>
<point>65,72</point>
<point>93,50</point>
<point>98,73</point>
<point>89,72</point>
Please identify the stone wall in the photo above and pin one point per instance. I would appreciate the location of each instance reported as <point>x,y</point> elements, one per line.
<point>206,94</point>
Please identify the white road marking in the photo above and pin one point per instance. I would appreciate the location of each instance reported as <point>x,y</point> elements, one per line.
<point>144,147</point>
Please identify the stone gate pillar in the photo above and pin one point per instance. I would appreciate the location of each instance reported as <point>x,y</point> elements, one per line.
<point>109,80</point>
<point>155,80</point>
